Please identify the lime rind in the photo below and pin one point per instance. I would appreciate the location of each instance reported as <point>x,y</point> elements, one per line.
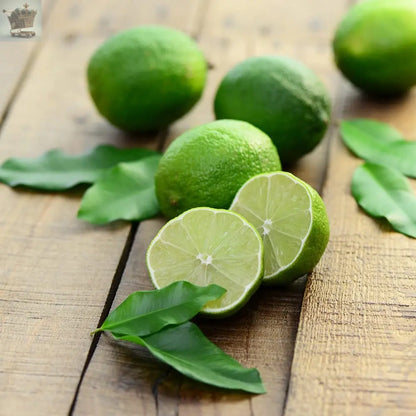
<point>189,248</point>
<point>303,231</point>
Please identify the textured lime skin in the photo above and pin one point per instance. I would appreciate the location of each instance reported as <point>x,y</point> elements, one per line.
<point>280,96</point>
<point>205,166</point>
<point>144,78</point>
<point>375,46</point>
<point>314,247</point>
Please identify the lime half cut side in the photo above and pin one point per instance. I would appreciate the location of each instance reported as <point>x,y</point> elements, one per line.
<point>205,246</point>
<point>291,218</point>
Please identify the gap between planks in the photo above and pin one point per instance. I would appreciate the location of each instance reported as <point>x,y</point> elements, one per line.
<point>107,306</point>
<point>51,217</point>
<point>161,139</point>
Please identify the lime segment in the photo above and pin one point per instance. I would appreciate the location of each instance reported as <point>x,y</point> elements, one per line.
<point>204,246</point>
<point>292,220</point>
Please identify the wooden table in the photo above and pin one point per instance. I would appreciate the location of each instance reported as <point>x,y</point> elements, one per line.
<point>343,345</point>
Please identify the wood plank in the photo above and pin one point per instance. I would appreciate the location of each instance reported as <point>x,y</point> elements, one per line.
<point>104,17</point>
<point>355,351</point>
<point>120,378</point>
<point>56,271</point>
<point>263,334</point>
<point>17,56</point>
<point>123,378</point>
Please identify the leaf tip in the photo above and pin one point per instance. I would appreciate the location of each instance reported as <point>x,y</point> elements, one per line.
<point>219,289</point>
<point>260,390</point>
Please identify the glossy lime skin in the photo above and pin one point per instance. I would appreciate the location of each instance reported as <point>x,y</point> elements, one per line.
<point>144,78</point>
<point>315,244</point>
<point>375,46</point>
<point>280,96</point>
<point>205,166</point>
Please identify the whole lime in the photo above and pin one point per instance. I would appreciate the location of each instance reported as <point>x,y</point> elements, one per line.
<point>280,96</point>
<point>375,46</point>
<point>144,78</point>
<point>205,166</point>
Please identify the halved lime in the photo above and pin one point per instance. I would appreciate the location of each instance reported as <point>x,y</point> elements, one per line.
<point>291,217</point>
<point>204,246</point>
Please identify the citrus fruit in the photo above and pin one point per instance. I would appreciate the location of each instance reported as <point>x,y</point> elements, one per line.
<point>204,246</point>
<point>143,78</point>
<point>291,217</point>
<point>206,165</point>
<point>280,96</point>
<point>375,46</point>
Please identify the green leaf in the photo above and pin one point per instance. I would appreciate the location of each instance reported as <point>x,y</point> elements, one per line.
<point>185,348</point>
<point>147,312</point>
<point>385,193</point>
<point>125,192</point>
<point>381,144</point>
<point>56,171</point>
<point>362,129</point>
<point>157,320</point>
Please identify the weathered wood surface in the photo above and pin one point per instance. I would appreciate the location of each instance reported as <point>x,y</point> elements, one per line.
<point>354,351</point>
<point>56,270</point>
<point>356,346</point>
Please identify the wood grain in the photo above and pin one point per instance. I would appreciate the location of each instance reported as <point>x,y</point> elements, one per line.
<point>355,350</point>
<point>56,270</point>
<point>263,333</point>
<point>120,378</point>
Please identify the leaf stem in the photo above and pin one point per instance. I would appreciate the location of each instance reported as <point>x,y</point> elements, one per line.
<point>95,331</point>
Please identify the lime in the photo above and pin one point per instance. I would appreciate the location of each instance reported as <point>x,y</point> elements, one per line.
<point>375,46</point>
<point>205,166</point>
<point>280,96</point>
<point>204,246</point>
<point>143,78</point>
<point>291,217</point>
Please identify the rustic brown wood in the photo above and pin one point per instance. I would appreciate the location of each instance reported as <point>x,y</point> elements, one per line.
<point>16,56</point>
<point>123,378</point>
<point>105,17</point>
<point>56,270</point>
<point>355,350</point>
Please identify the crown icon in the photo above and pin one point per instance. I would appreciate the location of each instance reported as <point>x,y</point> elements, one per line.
<point>21,21</point>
